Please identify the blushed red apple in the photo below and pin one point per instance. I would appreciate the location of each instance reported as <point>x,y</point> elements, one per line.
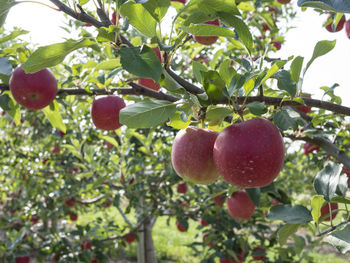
<point>180,227</point>
<point>240,206</point>
<point>250,153</point>
<point>309,148</point>
<point>325,211</point>
<point>70,202</point>
<point>192,155</point>
<point>208,40</point>
<point>33,91</point>
<point>230,259</point>
<point>340,25</point>
<point>86,244</point>
<point>261,253</point>
<point>203,222</point>
<point>347,28</point>
<point>73,217</point>
<point>105,112</point>
<point>24,259</point>
<point>219,200</point>
<point>131,237</point>
<point>181,188</point>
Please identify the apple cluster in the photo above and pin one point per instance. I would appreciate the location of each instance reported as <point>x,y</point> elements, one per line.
<point>342,23</point>
<point>247,154</point>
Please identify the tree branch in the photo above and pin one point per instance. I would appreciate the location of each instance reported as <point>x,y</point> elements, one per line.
<point>91,201</point>
<point>188,86</point>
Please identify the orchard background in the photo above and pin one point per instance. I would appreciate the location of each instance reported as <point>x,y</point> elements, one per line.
<point>72,192</point>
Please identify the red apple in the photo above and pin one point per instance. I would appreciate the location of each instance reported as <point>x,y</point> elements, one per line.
<point>114,18</point>
<point>108,203</point>
<point>105,112</point>
<point>86,244</point>
<point>347,28</point>
<point>325,211</point>
<point>94,260</point>
<point>208,40</point>
<point>240,206</point>
<point>149,83</point>
<point>219,200</point>
<point>250,153</point>
<point>181,188</point>
<point>229,259</point>
<point>131,237</point>
<point>55,150</point>
<point>261,252</point>
<point>33,91</point>
<point>180,227</point>
<point>73,217</point>
<point>192,155</point>
<point>203,222</point>
<point>34,220</point>
<point>265,27</point>
<point>24,259</point>
<point>340,25</point>
<point>159,55</point>
<point>283,2</point>
<point>70,202</point>
<point>109,146</point>
<point>309,148</point>
<point>277,45</point>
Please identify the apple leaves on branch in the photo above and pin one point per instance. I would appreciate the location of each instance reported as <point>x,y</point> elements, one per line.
<point>340,239</point>
<point>52,55</point>
<point>297,214</point>
<point>328,5</point>
<point>5,6</point>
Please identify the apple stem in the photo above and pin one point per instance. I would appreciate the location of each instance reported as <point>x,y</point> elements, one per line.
<point>330,214</point>
<point>37,2</point>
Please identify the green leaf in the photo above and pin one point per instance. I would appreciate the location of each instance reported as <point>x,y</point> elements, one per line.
<point>109,64</point>
<point>297,214</point>
<point>9,105</point>
<point>5,6</point>
<point>170,84</point>
<point>147,113</point>
<point>285,232</point>
<point>226,71</point>
<point>316,204</point>
<point>109,139</point>
<point>218,113</point>
<point>257,108</point>
<point>284,82</point>
<point>105,34</point>
<point>275,67</point>
<point>340,239</point>
<point>177,121</point>
<point>5,67</point>
<point>254,194</point>
<point>240,27</point>
<point>52,55</point>
<point>13,34</point>
<point>143,63</point>
<point>197,68</point>
<point>157,8</point>
<point>322,47</point>
<point>214,6</point>
<point>327,5</point>
<point>140,18</point>
<point>236,84</point>
<point>295,68</point>
<point>52,113</point>
<point>212,84</point>
<point>286,119</point>
<point>327,180</point>
<point>207,30</point>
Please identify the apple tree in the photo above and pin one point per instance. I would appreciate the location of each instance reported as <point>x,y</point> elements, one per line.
<point>176,109</point>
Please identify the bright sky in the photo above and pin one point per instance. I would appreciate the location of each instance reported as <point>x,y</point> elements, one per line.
<point>44,26</point>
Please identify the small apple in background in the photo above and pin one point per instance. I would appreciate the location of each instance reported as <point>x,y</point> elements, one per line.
<point>105,112</point>
<point>73,217</point>
<point>95,260</point>
<point>192,155</point>
<point>86,244</point>
<point>261,252</point>
<point>265,27</point>
<point>240,206</point>
<point>24,259</point>
<point>249,154</point>
<point>114,18</point>
<point>181,1</point>
<point>70,202</point>
<point>108,203</point>
<point>325,211</point>
<point>347,28</point>
<point>109,146</point>
<point>275,202</point>
<point>283,2</point>
<point>340,25</point>
<point>34,220</point>
<point>276,44</point>
<point>309,148</point>
<point>33,91</point>
<point>230,259</point>
<point>219,200</point>
<point>130,237</point>
<point>149,83</point>
<point>181,188</point>
<point>180,227</point>
<point>203,222</point>
<point>202,60</point>
<point>208,40</point>
<point>55,150</point>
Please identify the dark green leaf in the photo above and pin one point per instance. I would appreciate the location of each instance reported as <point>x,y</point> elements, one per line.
<point>257,108</point>
<point>197,68</point>
<point>297,214</point>
<point>254,194</point>
<point>5,67</point>
<point>5,6</point>
<point>226,71</point>
<point>52,55</point>
<point>295,68</point>
<point>236,84</point>
<point>143,63</point>
<point>327,180</point>
<point>286,119</point>
<point>218,113</point>
<point>212,84</point>
<point>139,18</point>
<point>284,82</point>
<point>286,231</point>
<point>327,5</point>
<point>147,113</point>
<point>340,239</point>
<point>157,8</point>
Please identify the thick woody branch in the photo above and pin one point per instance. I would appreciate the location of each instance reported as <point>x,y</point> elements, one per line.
<point>188,86</point>
<point>91,201</point>
<point>328,146</point>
